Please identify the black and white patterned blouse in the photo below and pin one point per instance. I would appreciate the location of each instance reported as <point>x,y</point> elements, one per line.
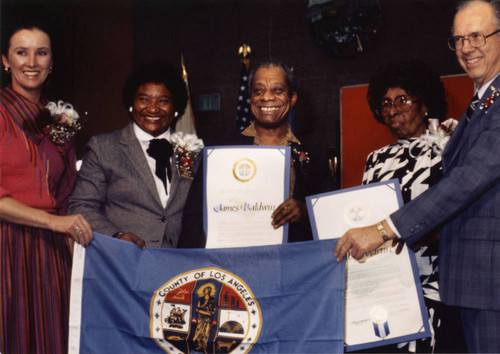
<point>416,163</point>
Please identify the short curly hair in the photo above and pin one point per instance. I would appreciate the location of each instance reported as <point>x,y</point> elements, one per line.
<point>416,78</point>
<point>159,73</point>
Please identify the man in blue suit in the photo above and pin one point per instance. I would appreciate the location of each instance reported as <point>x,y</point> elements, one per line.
<point>466,202</point>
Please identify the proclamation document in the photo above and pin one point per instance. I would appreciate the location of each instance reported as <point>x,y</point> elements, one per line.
<point>243,185</point>
<point>383,301</point>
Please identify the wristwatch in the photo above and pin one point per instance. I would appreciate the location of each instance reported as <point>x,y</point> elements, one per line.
<point>381,230</point>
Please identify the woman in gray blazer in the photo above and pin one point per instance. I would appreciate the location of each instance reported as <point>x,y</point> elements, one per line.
<point>133,183</point>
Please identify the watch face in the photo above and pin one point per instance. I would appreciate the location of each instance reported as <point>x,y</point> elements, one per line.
<point>382,232</point>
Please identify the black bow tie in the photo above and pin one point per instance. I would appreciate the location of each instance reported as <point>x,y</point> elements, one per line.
<point>161,150</point>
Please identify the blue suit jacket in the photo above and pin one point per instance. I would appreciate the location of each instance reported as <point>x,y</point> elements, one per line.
<point>467,203</point>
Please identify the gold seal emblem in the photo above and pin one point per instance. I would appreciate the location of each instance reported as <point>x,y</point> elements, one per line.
<point>244,170</point>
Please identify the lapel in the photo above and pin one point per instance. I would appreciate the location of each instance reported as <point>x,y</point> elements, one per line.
<point>132,149</point>
<point>456,141</point>
<point>467,130</point>
<point>175,183</point>
<point>301,169</point>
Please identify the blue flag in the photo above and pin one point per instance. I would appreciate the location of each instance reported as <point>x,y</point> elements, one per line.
<point>283,298</point>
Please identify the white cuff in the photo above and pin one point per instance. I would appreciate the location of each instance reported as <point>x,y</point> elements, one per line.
<point>391,225</point>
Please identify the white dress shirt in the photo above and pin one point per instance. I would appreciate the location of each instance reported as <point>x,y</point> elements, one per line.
<point>144,139</point>
<point>482,89</point>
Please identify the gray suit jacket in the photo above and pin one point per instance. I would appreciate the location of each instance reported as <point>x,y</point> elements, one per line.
<point>115,191</point>
<point>466,201</point>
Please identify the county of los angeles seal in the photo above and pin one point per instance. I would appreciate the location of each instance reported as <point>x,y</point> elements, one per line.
<point>205,310</point>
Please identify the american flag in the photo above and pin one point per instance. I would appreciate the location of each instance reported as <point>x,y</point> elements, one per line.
<point>243,115</point>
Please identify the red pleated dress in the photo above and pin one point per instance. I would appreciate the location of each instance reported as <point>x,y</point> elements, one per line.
<point>35,264</point>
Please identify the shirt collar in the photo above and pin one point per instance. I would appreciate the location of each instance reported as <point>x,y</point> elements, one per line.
<point>483,88</point>
<point>289,137</point>
<point>143,136</point>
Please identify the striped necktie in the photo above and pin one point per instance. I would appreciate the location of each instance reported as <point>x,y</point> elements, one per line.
<point>472,106</point>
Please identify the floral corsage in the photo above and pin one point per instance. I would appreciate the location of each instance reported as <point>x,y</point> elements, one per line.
<point>187,148</point>
<point>447,127</point>
<point>490,100</point>
<point>438,135</point>
<point>301,156</point>
<point>65,122</point>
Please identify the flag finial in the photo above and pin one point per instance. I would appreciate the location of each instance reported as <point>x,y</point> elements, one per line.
<point>184,71</point>
<point>244,51</point>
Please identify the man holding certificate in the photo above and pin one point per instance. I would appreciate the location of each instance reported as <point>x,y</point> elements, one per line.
<point>272,94</point>
<point>465,202</point>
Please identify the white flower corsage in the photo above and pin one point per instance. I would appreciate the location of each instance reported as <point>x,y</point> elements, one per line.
<point>446,128</point>
<point>438,135</point>
<point>65,122</point>
<point>187,148</point>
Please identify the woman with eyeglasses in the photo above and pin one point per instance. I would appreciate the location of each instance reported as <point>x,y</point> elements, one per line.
<point>403,96</point>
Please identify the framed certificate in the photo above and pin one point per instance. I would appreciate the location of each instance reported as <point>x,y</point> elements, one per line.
<point>243,185</point>
<point>383,301</point>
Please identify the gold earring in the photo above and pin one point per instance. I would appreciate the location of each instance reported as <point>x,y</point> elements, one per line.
<point>7,70</point>
<point>50,69</point>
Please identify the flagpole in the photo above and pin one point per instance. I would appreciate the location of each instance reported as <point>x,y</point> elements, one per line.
<point>291,112</point>
<point>243,115</point>
<point>186,123</point>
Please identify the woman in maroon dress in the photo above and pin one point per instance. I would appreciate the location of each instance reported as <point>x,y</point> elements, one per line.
<point>36,176</point>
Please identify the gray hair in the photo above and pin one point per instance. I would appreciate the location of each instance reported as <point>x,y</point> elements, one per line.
<point>290,77</point>
<point>494,3</point>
